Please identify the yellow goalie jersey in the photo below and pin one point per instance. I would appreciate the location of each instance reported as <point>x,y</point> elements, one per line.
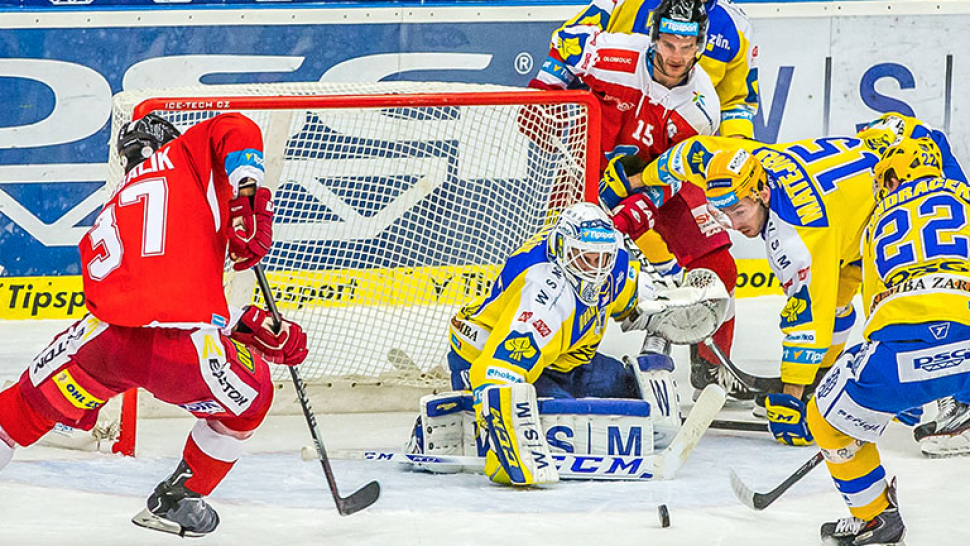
<point>821,198</point>
<point>531,318</point>
<point>915,255</point>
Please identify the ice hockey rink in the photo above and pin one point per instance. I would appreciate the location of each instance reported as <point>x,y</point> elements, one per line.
<point>54,497</point>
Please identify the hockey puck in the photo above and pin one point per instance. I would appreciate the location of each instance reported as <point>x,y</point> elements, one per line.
<point>664,515</point>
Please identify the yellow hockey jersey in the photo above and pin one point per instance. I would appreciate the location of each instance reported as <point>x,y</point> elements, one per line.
<point>729,57</point>
<point>916,259</point>
<point>821,199</point>
<point>531,319</point>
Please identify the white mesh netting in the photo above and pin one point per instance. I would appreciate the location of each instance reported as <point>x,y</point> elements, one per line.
<point>390,217</point>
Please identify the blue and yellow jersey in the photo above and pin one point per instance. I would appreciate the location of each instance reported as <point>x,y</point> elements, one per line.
<point>821,199</point>
<point>729,59</point>
<point>531,319</point>
<point>916,256</point>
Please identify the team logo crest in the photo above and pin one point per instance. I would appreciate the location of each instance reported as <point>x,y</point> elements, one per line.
<point>519,350</point>
<point>798,309</point>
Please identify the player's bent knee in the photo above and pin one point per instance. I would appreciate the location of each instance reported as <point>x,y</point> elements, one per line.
<point>826,436</point>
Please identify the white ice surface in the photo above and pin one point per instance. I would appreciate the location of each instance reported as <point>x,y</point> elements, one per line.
<point>56,497</point>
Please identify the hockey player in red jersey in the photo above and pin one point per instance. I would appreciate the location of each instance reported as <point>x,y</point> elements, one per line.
<point>158,319</point>
<point>653,95</point>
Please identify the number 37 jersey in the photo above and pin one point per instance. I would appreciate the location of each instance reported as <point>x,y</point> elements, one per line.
<point>157,250</point>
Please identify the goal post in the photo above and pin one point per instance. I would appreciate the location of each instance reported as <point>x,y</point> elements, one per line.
<point>395,204</point>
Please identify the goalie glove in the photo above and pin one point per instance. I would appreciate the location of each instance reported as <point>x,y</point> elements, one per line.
<point>686,314</point>
<point>250,228</point>
<point>255,329</point>
<point>615,184</point>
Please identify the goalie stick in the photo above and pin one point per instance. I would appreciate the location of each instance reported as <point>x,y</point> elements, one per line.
<point>760,501</point>
<point>663,465</point>
<point>366,495</point>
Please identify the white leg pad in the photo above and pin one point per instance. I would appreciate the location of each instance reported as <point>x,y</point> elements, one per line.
<point>446,427</point>
<point>654,373</point>
<point>597,426</point>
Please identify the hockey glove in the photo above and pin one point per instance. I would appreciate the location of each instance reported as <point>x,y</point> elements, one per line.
<point>786,420</point>
<point>635,216</point>
<point>615,185</point>
<point>250,228</point>
<point>255,329</point>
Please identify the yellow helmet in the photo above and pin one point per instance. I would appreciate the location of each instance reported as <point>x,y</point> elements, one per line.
<point>888,130</point>
<point>911,159</point>
<point>733,175</point>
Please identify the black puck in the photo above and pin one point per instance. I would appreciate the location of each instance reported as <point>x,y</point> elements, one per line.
<point>664,515</point>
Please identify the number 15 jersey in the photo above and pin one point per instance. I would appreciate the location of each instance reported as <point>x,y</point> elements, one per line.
<point>156,253</point>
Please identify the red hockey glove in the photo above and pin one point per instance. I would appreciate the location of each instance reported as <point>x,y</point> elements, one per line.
<point>635,216</point>
<point>255,329</point>
<point>250,228</point>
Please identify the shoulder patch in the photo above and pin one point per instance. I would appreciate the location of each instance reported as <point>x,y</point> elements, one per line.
<point>520,350</point>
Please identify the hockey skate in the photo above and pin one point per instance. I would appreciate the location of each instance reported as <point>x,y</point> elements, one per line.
<point>886,529</point>
<point>949,434</point>
<point>172,508</point>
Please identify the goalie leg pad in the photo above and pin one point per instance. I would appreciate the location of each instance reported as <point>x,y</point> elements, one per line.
<point>518,453</point>
<point>594,426</point>
<point>446,426</point>
<point>654,373</point>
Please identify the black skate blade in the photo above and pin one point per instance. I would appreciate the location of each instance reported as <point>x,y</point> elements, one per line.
<point>154,522</point>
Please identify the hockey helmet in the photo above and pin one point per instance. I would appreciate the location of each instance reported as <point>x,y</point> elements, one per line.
<point>733,175</point>
<point>681,17</point>
<point>584,244</point>
<point>139,139</point>
<point>911,159</point>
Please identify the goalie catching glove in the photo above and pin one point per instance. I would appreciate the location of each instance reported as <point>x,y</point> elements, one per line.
<point>250,228</point>
<point>255,329</point>
<point>683,315</point>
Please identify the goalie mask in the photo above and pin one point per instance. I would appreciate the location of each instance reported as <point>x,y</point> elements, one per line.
<point>138,140</point>
<point>911,159</point>
<point>584,244</point>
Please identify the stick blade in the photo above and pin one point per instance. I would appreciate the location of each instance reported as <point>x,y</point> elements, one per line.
<point>359,500</point>
<point>744,493</point>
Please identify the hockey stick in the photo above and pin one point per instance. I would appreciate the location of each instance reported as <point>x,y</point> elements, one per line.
<point>743,426</point>
<point>755,384</point>
<point>760,501</point>
<point>366,495</point>
<point>663,465</point>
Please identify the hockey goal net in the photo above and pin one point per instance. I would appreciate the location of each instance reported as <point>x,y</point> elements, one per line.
<point>395,204</point>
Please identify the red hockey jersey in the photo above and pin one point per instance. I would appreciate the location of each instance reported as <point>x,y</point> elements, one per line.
<point>157,250</point>
<point>640,116</point>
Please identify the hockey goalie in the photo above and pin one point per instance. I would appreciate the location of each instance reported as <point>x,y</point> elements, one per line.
<point>527,377</point>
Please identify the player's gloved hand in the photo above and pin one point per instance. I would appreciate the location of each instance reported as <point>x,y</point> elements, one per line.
<point>255,329</point>
<point>910,417</point>
<point>635,216</point>
<point>250,228</point>
<point>615,184</point>
<point>786,420</point>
